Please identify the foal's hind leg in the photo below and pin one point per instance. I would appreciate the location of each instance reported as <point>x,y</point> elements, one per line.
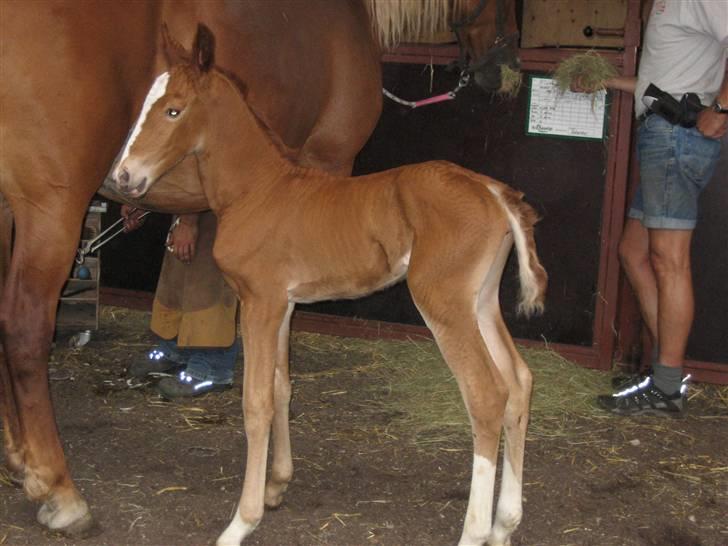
<point>517,376</point>
<point>450,314</point>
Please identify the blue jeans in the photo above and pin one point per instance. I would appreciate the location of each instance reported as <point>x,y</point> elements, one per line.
<point>204,364</point>
<point>676,163</point>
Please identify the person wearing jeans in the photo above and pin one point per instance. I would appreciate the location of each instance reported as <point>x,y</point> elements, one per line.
<point>194,313</point>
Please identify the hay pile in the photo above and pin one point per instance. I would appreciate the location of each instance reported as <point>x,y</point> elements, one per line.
<point>511,80</point>
<point>424,397</point>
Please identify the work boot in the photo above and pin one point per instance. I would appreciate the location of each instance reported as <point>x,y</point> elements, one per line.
<point>156,362</point>
<point>186,386</point>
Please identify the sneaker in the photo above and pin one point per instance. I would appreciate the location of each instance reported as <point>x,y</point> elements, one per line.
<point>640,397</point>
<point>619,382</point>
<point>186,386</point>
<point>157,361</point>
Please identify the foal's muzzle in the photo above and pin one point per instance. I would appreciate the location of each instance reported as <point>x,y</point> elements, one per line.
<point>127,185</point>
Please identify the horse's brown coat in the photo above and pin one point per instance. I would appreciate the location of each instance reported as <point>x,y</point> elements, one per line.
<point>74,74</point>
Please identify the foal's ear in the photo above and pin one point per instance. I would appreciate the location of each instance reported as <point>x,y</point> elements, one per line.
<point>203,51</point>
<point>173,50</point>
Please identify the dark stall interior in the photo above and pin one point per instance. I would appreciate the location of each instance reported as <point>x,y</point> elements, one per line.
<point>579,187</point>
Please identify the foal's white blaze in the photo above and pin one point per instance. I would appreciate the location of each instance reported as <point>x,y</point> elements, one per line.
<point>236,531</point>
<point>157,91</point>
<point>480,504</point>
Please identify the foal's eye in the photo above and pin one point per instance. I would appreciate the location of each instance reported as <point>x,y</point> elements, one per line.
<point>172,113</point>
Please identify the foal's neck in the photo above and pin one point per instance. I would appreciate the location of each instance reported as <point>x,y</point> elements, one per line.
<point>239,157</point>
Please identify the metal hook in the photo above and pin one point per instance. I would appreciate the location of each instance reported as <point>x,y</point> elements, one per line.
<point>92,245</point>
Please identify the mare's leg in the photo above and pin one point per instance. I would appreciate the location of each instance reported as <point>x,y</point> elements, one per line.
<point>42,254</point>
<point>445,295</point>
<point>262,322</point>
<point>11,425</point>
<point>517,377</point>
<point>281,470</point>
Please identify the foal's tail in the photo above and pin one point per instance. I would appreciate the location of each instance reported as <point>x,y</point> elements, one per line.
<point>532,275</point>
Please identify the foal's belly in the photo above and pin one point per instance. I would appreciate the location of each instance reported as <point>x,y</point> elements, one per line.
<point>347,280</point>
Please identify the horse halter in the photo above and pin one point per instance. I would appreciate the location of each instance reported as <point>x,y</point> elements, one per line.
<point>466,66</point>
<point>502,41</point>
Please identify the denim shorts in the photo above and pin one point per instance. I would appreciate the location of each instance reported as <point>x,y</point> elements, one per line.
<point>676,163</point>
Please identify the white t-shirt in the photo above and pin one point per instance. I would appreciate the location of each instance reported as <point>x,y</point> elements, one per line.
<point>685,49</point>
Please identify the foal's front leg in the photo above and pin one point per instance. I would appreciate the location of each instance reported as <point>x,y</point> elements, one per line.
<point>262,321</point>
<point>281,470</point>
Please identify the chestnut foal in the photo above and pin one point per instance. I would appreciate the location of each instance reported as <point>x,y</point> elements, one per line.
<point>288,234</point>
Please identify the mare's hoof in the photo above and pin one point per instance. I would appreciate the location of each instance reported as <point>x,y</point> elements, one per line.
<point>74,522</point>
<point>14,477</point>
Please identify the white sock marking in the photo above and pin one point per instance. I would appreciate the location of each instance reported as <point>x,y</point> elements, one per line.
<point>236,531</point>
<point>480,505</point>
<point>157,91</point>
<point>509,512</point>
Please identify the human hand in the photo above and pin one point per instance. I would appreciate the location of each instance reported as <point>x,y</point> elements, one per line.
<point>579,85</point>
<point>182,239</point>
<point>582,84</point>
<point>712,124</point>
<point>132,218</point>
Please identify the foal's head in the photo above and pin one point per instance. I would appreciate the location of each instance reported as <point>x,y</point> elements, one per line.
<point>172,119</point>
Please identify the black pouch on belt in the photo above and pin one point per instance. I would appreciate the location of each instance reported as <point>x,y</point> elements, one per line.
<point>690,106</point>
<point>683,112</point>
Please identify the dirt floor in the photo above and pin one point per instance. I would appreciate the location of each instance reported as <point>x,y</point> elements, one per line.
<point>160,473</point>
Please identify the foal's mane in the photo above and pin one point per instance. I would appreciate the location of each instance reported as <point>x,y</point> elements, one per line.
<point>286,151</point>
<point>396,21</point>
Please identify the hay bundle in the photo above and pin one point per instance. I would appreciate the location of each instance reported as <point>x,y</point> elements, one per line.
<point>589,69</point>
<point>511,80</point>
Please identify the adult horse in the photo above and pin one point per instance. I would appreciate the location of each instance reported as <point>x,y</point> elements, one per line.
<point>74,75</point>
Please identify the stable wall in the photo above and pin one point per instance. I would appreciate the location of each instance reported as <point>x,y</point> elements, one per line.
<point>580,188</point>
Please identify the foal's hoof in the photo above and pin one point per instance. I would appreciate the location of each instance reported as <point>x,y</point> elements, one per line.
<point>74,521</point>
<point>274,495</point>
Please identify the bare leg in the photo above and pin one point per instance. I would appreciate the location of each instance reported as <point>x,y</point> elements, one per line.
<point>634,251</point>
<point>670,257</point>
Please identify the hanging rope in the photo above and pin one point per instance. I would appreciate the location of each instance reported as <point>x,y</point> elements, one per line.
<point>450,95</point>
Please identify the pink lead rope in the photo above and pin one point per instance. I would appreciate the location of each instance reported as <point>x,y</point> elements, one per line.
<point>414,104</point>
<point>450,95</point>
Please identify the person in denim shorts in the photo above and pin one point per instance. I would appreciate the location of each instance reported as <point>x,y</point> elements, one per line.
<point>685,51</point>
